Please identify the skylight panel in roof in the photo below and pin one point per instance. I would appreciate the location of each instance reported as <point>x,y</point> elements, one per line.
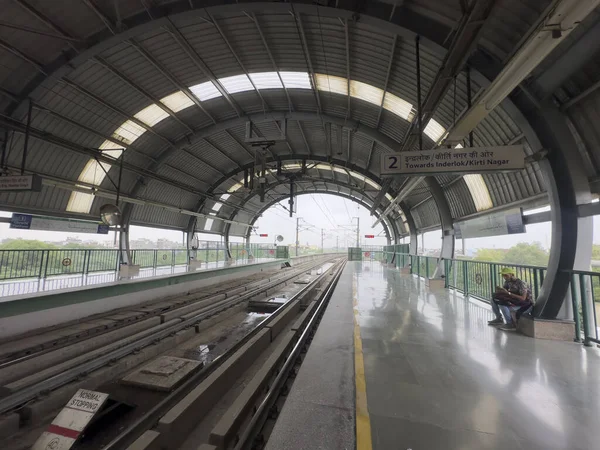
<point>224,197</point>
<point>235,187</point>
<point>205,91</point>
<point>295,80</point>
<point>366,92</point>
<point>217,207</point>
<point>479,191</point>
<point>458,146</point>
<point>128,132</point>
<point>291,166</point>
<point>151,115</point>
<point>177,101</point>
<point>434,130</point>
<point>389,197</point>
<point>208,224</point>
<point>80,202</point>
<point>397,106</point>
<point>330,83</point>
<point>110,145</point>
<point>236,83</point>
<point>266,80</point>
<point>93,173</point>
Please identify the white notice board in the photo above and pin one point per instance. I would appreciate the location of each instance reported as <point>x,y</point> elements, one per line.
<point>70,422</point>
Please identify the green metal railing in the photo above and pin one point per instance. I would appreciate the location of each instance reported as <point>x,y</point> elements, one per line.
<point>475,278</point>
<point>20,264</point>
<point>479,279</point>
<point>423,266</point>
<point>585,295</point>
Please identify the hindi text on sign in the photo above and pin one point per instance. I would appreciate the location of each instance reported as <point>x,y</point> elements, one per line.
<point>464,160</point>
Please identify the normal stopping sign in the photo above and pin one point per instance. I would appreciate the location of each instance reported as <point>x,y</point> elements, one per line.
<point>70,423</point>
<point>464,160</point>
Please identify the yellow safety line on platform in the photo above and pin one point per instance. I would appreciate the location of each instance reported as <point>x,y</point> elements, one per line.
<point>363,422</point>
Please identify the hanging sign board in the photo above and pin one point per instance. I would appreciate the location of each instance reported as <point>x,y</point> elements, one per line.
<point>263,235</point>
<point>21,183</point>
<point>495,224</point>
<point>70,423</point>
<point>369,236</point>
<point>464,160</point>
<point>28,222</point>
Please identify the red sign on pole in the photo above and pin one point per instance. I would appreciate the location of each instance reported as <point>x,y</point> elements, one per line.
<point>369,236</point>
<point>264,235</point>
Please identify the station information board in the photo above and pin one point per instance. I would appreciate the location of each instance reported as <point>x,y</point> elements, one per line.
<point>464,160</point>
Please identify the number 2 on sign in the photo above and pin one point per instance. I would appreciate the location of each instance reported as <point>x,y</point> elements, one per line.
<point>393,162</point>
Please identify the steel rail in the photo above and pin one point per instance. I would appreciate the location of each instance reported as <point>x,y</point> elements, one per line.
<point>148,420</point>
<point>148,337</point>
<point>254,428</point>
<point>8,360</point>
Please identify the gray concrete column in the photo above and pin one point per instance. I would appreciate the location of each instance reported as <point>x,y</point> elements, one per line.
<point>447,250</point>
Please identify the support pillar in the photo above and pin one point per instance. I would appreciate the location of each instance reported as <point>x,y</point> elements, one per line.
<point>411,228</point>
<point>447,250</point>
<point>568,187</point>
<point>228,258</point>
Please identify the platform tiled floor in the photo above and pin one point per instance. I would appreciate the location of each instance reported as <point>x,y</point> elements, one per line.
<point>438,377</point>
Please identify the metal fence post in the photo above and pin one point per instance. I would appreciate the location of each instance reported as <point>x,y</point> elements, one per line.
<point>41,264</point>
<point>172,258</point>
<point>426,267</point>
<point>86,261</point>
<point>446,273</point>
<point>46,265</point>
<point>584,309</point>
<point>576,317</point>
<point>535,284</point>
<point>465,279</point>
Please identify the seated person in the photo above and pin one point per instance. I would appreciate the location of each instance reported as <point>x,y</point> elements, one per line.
<point>513,297</point>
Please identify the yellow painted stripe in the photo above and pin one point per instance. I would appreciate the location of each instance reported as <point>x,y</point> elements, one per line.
<point>363,422</point>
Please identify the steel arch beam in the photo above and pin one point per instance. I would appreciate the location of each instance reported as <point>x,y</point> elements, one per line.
<point>546,128</point>
<point>291,157</point>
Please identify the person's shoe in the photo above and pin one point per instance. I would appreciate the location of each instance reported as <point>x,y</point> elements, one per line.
<point>508,327</point>
<point>496,321</point>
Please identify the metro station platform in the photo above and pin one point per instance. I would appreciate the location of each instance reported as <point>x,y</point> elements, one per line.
<point>20,314</point>
<point>394,366</point>
<point>18,287</point>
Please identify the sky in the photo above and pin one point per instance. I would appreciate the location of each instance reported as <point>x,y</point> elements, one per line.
<point>335,215</point>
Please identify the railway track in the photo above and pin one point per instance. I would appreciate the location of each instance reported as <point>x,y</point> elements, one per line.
<point>47,375</point>
<point>167,424</point>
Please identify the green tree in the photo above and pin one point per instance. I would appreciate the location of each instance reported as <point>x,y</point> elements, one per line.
<point>527,254</point>
<point>25,244</point>
<point>490,254</point>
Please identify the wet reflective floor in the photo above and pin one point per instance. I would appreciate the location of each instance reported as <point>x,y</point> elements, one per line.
<point>438,377</point>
